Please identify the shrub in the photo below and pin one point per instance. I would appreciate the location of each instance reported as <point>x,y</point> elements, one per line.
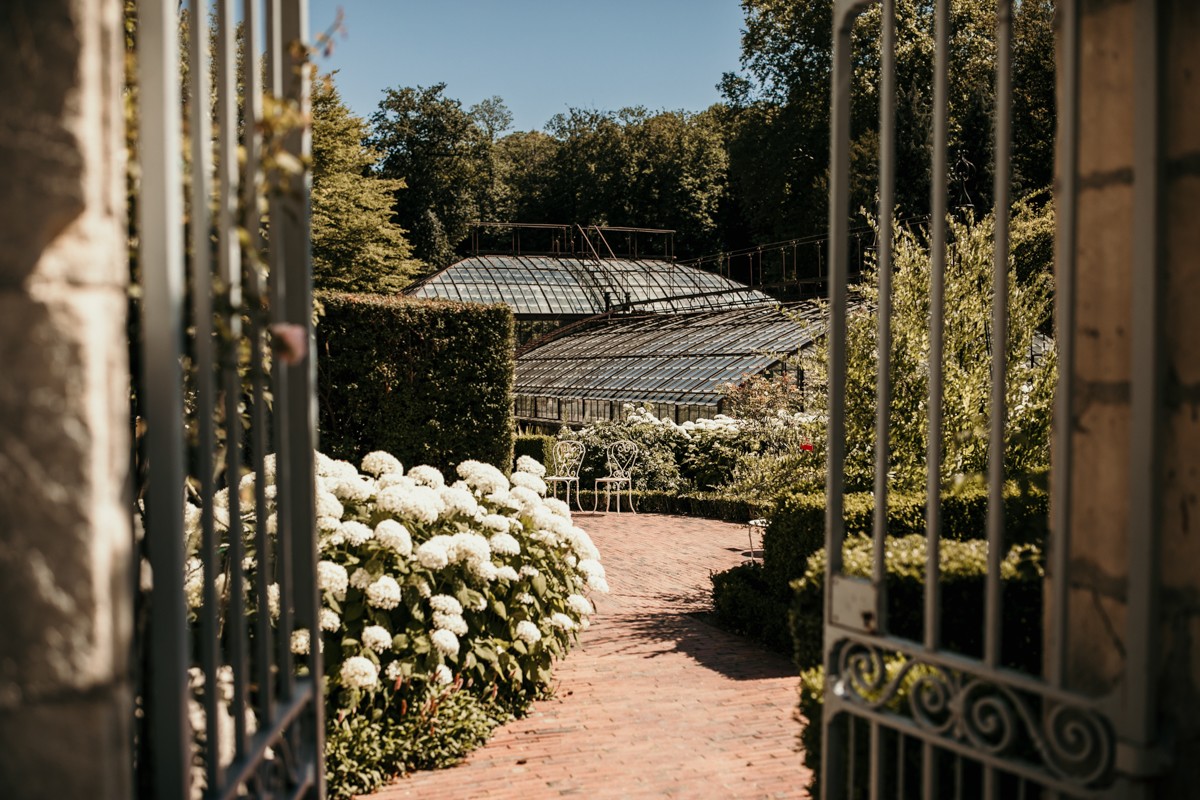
<point>537,446</point>
<point>743,605</point>
<point>428,381</point>
<point>443,606</point>
<point>963,573</point>
<point>797,528</point>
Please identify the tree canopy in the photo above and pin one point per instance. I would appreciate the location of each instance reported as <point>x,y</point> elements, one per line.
<point>355,244</point>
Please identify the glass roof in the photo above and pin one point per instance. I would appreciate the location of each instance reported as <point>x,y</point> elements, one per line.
<point>563,286</point>
<point>682,358</point>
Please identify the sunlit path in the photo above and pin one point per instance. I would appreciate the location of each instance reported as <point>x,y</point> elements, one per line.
<point>655,702</point>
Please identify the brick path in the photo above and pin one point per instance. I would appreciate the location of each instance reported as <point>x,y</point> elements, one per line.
<point>653,702</point>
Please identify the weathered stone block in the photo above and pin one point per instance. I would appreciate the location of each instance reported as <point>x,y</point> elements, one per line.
<point>65,541</point>
<point>61,141</point>
<point>1106,95</point>
<point>1180,505</point>
<point>1183,79</point>
<point>72,749</point>
<point>1100,486</point>
<point>1103,283</point>
<point>1181,290</point>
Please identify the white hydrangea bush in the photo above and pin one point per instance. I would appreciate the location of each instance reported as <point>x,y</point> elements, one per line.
<point>428,578</point>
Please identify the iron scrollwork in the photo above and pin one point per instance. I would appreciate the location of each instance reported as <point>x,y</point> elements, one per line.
<point>1016,724</point>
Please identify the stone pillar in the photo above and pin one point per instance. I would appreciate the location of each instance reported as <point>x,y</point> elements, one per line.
<point>1179,677</point>
<point>1103,378</point>
<point>65,538</point>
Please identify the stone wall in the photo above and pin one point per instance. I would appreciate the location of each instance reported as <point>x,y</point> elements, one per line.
<point>65,540</point>
<point>1104,377</point>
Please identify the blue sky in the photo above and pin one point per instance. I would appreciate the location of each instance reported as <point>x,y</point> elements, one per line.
<point>541,56</point>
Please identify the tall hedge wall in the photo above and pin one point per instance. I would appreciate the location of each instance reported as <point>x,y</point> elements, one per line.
<point>429,381</point>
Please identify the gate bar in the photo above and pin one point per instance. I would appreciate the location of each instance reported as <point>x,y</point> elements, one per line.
<point>1061,456</point>
<point>1000,212</point>
<point>937,271</point>
<point>1139,701</point>
<point>201,221</point>
<point>883,385</point>
<point>160,255</point>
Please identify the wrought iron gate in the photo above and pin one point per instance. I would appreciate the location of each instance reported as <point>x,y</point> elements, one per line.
<point>905,718</point>
<point>226,707</point>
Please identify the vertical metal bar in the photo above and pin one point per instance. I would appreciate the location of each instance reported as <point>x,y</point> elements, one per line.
<point>883,386</point>
<point>901,746</point>
<point>933,500</point>
<point>1140,687</point>
<point>933,514</point>
<point>236,629</point>
<point>160,215</point>
<point>876,757</point>
<point>834,753</point>
<point>202,319</point>
<point>998,415</point>
<point>258,309</point>
<point>1067,142</point>
<point>293,227</point>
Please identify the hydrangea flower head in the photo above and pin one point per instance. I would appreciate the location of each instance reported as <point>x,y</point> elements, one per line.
<point>394,536</point>
<point>377,638</point>
<point>530,465</point>
<point>384,592</point>
<point>332,578</point>
<point>358,672</point>
<point>445,642</point>
<point>425,475</point>
<point>381,463</point>
<point>528,632</point>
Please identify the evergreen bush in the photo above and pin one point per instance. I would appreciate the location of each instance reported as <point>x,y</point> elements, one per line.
<point>429,381</point>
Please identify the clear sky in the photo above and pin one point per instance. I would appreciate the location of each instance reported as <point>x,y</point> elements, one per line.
<point>541,57</point>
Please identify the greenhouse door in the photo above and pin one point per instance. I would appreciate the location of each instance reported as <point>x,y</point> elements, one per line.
<point>908,716</point>
<point>223,375</point>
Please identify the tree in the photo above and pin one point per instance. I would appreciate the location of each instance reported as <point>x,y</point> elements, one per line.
<point>427,140</point>
<point>967,349</point>
<point>355,244</point>
<point>778,119</point>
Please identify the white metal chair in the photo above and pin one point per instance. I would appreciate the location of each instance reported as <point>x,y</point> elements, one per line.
<point>622,456</point>
<point>566,460</point>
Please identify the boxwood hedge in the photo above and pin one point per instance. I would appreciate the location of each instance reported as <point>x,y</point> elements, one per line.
<point>429,381</point>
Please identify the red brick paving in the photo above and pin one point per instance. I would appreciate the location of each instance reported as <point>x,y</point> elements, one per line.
<point>653,702</point>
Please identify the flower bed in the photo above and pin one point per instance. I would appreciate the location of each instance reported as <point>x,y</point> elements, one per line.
<point>443,607</point>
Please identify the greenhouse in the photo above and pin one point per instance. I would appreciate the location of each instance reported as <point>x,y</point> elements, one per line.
<point>676,363</point>
<point>565,287</point>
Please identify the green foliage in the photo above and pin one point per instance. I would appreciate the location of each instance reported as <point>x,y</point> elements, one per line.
<point>537,446</point>
<point>968,343</point>
<point>704,505</point>
<point>778,109</point>
<point>355,245</point>
<point>430,381</point>
<point>797,527</point>
<point>797,532</point>
<point>963,567</point>
<point>743,604</point>
<point>443,155</point>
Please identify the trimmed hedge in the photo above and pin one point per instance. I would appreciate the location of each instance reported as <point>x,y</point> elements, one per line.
<point>535,445</point>
<point>797,528</point>
<point>705,505</point>
<point>963,573</point>
<point>742,605</point>
<point>797,532</point>
<point>429,381</point>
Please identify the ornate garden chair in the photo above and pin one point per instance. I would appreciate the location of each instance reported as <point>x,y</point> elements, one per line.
<point>566,460</point>
<point>622,456</point>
